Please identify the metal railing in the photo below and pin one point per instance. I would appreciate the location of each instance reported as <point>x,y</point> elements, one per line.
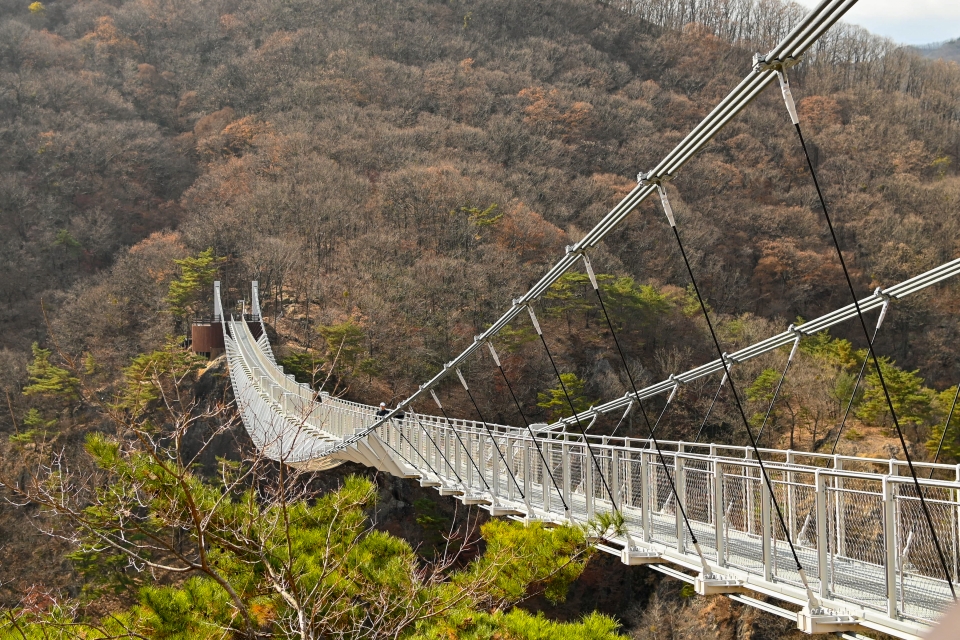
<point>855,521</point>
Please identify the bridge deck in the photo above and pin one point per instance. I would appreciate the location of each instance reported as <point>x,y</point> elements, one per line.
<point>855,523</point>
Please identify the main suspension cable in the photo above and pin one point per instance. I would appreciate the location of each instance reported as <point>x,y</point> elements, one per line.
<point>791,108</point>
<point>723,381</point>
<point>526,423</point>
<point>493,439</point>
<point>668,210</point>
<point>646,419</point>
<point>776,393</point>
<point>454,429</point>
<point>856,386</point>
<point>573,409</point>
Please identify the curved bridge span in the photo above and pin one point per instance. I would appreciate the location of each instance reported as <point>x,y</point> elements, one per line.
<point>855,522</point>
<point>836,543</point>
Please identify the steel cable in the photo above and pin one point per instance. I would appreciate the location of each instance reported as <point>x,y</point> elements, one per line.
<point>776,393</point>
<point>723,381</point>
<point>873,354</point>
<point>622,418</point>
<point>493,438</point>
<point>452,428</point>
<point>436,446</point>
<point>417,451</point>
<point>526,423</point>
<point>946,425</point>
<point>664,410</point>
<point>646,419</point>
<point>573,409</point>
<point>856,386</point>
<point>733,389</point>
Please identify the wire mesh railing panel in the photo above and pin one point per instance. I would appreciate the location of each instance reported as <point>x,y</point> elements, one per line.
<point>478,451</point>
<point>741,524</point>
<point>577,470</point>
<point>500,460</point>
<point>698,501</point>
<point>795,494</point>
<point>513,458</point>
<point>631,491</point>
<point>602,479</point>
<point>870,511</point>
<point>923,590</point>
<point>800,511</point>
<point>661,503</point>
<point>555,459</point>
<point>855,540</point>
<point>537,483</point>
<point>698,491</point>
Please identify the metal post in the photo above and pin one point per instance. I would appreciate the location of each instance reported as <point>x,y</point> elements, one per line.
<point>565,461</point>
<point>586,481</point>
<point>890,545</point>
<point>839,524</point>
<point>821,506</point>
<point>680,485</point>
<point>718,512</point>
<point>468,452</point>
<point>645,507</point>
<point>431,452</point>
<point>791,501</point>
<point>451,471</point>
<point>766,531</point>
<point>543,481</point>
<point>522,446</point>
<point>508,461</point>
<point>953,534</point>
<point>494,463</point>
<point>615,477</point>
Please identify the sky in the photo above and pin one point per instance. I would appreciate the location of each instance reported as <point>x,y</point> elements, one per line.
<point>906,21</point>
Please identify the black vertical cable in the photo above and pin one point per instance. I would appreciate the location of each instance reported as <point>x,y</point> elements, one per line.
<point>452,428</point>
<point>703,424</point>
<point>856,387</point>
<point>646,419</point>
<point>436,446</point>
<point>493,438</point>
<point>876,361</point>
<point>526,423</point>
<point>576,416</point>
<point>946,425</point>
<point>733,389</point>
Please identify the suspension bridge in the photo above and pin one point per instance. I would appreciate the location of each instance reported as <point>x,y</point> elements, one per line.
<point>838,544</point>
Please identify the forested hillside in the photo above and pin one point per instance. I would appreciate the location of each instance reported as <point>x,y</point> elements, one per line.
<point>395,173</point>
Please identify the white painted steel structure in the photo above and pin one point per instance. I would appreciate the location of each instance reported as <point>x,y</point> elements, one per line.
<point>855,523</point>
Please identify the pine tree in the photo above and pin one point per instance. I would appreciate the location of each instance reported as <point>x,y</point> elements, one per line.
<point>197,274</point>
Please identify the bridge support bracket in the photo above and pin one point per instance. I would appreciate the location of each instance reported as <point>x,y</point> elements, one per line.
<point>450,491</point>
<point>638,556</point>
<point>708,585</point>
<point>429,482</point>
<point>825,621</point>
